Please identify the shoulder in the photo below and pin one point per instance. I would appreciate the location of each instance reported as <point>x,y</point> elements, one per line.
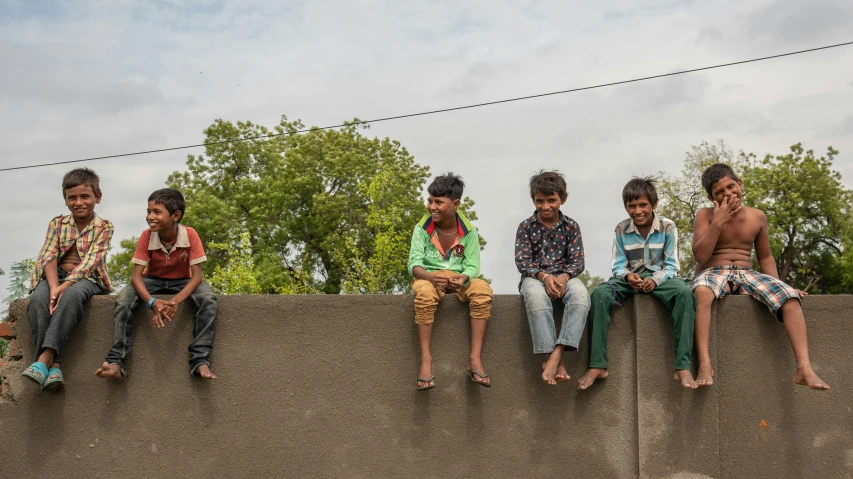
<point>704,213</point>
<point>570,222</point>
<point>622,226</point>
<point>192,233</point>
<point>667,225</point>
<point>756,213</point>
<point>56,221</point>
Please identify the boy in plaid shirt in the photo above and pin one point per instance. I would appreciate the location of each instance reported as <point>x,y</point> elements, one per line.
<point>723,237</point>
<point>68,271</point>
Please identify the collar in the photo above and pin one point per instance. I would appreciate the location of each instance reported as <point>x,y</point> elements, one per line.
<point>632,228</point>
<point>561,220</point>
<point>463,226</point>
<point>182,241</point>
<point>96,221</point>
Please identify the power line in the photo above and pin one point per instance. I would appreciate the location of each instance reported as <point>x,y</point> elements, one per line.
<point>432,112</point>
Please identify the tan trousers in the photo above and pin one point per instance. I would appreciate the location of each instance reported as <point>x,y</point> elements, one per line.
<point>478,294</point>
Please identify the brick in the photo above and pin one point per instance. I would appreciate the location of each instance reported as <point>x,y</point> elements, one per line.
<point>14,350</point>
<point>6,330</point>
<point>2,363</point>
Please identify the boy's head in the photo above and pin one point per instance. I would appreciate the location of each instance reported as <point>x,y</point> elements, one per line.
<point>720,181</point>
<point>548,191</point>
<point>640,198</point>
<point>445,194</point>
<point>165,209</point>
<point>81,190</point>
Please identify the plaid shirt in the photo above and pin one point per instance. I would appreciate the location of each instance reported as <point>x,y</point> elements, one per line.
<point>92,245</point>
<point>554,250</point>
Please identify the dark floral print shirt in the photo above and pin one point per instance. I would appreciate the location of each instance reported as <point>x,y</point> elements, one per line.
<point>554,250</point>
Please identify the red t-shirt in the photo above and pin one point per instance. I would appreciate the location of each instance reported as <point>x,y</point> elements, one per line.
<point>174,264</point>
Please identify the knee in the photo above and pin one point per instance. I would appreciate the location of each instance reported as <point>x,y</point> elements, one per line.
<point>126,298</point>
<point>478,287</point>
<point>602,295</point>
<point>534,295</point>
<point>704,295</point>
<point>424,290</point>
<point>576,293</point>
<point>206,295</point>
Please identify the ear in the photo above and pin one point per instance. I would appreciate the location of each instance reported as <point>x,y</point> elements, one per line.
<point>456,204</point>
<point>98,198</point>
<point>177,215</point>
<point>563,200</point>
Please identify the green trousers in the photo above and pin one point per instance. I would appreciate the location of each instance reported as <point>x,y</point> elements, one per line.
<point>675,294</point>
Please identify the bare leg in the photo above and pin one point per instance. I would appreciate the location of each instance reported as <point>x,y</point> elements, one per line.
<point>795,326</point>
<point>704,298</point>
<point>549,367</point>
<point>478,332</point>
<point>591,375</point>
<point>109,370</point>
<point>424,338</point>
<point>686,378</point>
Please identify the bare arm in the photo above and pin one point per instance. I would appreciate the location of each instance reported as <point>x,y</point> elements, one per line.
<point>705,235</point>
<point>766,263</point>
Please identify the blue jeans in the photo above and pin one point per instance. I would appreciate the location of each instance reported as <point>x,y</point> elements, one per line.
<point>540,315</point>
<point>53,331</point>
<point>202,343</point>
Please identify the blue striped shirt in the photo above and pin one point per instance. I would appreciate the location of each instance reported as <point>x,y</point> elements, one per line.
<point>658,253</point>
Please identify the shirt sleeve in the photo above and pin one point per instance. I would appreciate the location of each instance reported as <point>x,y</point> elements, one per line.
<point>576,260</point>
<point>141,255</point>
<point>95,253</point>
<point>417,248</point>
<point>471,256</point>
<point>670,257</point>
<point>524,254</point>
<point>619,261</point>
<point>196,248</point>
<point>49,251</point>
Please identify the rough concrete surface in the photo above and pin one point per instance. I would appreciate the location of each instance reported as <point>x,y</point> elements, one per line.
<point>324,386</point>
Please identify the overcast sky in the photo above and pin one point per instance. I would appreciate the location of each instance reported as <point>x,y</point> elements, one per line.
<point>92,78</point>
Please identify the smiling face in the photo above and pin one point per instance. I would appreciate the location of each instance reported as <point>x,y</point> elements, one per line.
<point>548,207</point>
<point>726,187</point>
<point>641,211</point>
<point>442,209</point>
<point>159,219</point>
<point>81,201</point>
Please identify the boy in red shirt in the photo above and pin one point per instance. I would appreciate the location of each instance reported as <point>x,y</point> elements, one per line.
<point>167,260</point>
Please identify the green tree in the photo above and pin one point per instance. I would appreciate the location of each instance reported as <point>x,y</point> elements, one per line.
<point>590,280</point>
<point>808,214</point>
<point>119,266</point>
<point>327,210</point>
<point>682,196</point>
<point>19,287</point>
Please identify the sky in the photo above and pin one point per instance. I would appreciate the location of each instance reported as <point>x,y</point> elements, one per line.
<point>92,78</point>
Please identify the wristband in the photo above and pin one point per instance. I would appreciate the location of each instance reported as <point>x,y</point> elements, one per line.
<point>151,302</point>
<point>546,275</point>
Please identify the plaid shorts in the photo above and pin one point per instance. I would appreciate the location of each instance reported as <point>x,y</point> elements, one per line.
<point>765,288</point>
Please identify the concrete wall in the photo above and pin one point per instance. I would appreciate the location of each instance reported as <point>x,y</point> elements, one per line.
<point>324,386</point>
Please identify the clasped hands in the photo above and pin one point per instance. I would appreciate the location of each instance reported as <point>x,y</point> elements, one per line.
<point>447,282</point>
<point>639,284</point>
<point>163,309</point>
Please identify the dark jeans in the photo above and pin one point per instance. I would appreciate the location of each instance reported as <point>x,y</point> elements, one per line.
<point>53,331</point>
<point>202,343</point>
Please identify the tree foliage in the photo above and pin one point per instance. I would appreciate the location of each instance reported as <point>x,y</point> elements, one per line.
<point>590,280</point>
<point>325,211</point>
<point>808,214</point>
<point>119,265</point>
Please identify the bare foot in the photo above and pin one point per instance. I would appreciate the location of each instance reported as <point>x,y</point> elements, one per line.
<point>705,377</point>
<point>549,373</point>
<point>807,377</point>
<point>425,372</point>
<point>205,372</point>
<point>591,375</point>
<point>109,370</point>
<point>477,366</point>
<point>686,378</point>
<point>562,374</point>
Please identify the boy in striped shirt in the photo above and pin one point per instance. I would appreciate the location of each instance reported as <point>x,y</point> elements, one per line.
<point>645,261</point>
<point>68,271</point>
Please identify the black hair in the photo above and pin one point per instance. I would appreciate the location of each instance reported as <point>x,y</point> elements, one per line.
<point>448,185</point>
<point>548,183</point>
<point>715,173</point>
<point>81,176</point>
<point>640,186</point>
<point>172,199</point>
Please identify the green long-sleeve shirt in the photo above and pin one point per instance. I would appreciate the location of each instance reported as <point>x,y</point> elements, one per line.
<point>462,258</point>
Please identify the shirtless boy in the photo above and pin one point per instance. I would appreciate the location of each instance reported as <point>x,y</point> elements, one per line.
<point>723,238</point>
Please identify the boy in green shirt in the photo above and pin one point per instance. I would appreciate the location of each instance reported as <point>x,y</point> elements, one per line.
<point>445,258</point>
